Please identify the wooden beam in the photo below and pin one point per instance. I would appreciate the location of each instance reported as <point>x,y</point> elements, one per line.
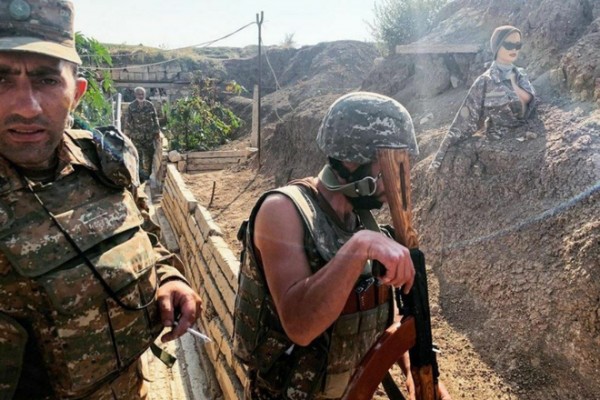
<point>217,154</point>
<point>425,48</point>
<point>151,84</point>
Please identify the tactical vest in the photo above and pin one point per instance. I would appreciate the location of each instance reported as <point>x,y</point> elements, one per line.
<point>85,337</point>
<point>322,369</point>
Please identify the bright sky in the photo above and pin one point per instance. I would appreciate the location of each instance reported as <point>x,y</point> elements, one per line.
<point>179,23</point>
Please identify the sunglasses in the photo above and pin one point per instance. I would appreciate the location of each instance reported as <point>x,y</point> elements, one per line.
<point>512,46</point>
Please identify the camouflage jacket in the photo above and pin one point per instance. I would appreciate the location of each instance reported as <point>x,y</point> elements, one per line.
<point>279,369</point>
<point>491,101</point>
<point>141,120</point>
<point>62,334</point>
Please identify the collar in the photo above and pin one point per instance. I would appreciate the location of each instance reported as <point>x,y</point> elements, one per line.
<point>496,73</point>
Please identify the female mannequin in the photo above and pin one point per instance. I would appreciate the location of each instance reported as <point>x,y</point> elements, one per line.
<point>502,97</point>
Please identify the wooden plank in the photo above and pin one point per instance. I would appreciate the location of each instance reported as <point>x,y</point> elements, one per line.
<point>179,191</point>
<point>230,385</point>
<point>222,284</point>
<point>195,232</point>
<point>220,160</point>
<point>217,301</point>
<point>225,344</point>
<point>206,224</point>
<point>216,154</point>
<point>179,204</point>
<point>226,259</point>
<point>172,189</point>
<point>436,48</point>
<point>212,348</point>
<point>209,167</point>
<point>206,253</point>
<point>170,212</point>
<point>166,232</point>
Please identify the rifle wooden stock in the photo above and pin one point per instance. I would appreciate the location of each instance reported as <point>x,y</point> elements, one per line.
<point>414,333</point>
<point>396,339</point>
<point>395,169</point>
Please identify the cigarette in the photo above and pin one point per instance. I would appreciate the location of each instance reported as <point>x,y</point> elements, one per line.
<point>197,334</point>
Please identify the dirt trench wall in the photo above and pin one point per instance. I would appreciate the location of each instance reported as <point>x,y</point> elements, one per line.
<point>512,230</point>
<point>212,269</point>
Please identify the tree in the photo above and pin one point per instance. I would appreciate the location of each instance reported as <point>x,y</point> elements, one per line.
<point>402,21</point>
<point>201,122</point>
<point>288,41</point>
<point>95,106</point>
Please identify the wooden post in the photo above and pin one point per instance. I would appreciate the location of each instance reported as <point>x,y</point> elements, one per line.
<point>259,22</point>
<point>255,119</point>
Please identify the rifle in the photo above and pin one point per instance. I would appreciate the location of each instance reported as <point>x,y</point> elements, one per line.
<point>413,333</point>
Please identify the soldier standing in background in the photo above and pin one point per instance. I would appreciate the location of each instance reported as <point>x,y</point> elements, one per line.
<point>84,289</point>
<point>141,125</point>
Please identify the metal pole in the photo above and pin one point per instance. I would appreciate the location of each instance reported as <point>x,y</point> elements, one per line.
<point>259,22</point>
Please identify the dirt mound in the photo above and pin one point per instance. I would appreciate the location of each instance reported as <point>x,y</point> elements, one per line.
<point>513,230</point>
<point>292,76</point>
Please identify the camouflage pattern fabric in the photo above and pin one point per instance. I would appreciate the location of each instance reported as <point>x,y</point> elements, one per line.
<point>322,369</point>
<point>13,339</point>
<point>492,102</point>
<point>146,154</point>
<point>357,123</point>
<point>141,124</point>
<point>86,343</point>
<point>41,26</point>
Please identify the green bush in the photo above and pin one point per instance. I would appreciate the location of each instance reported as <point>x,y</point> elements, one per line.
<point>95,106</point>
<point>200,122</point>
<point>400,22</point>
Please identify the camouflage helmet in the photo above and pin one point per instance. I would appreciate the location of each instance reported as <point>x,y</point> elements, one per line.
<point>357,123</point>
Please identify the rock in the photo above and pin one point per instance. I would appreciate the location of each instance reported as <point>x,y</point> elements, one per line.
<point>174,156</point>
<point>454,81</point>
<point>428,117</point>
<point>530,135</point>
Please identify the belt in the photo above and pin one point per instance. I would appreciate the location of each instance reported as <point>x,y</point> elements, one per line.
<point>367,295</point>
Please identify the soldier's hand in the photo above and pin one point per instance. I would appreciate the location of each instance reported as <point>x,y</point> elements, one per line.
<point>400,271</point>
<point>177,298</point>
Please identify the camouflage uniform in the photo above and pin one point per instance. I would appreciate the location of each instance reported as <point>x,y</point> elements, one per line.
<point>62,335</point>
<point>492,102</point>
<point>278,369</point>
<point>141,124</point>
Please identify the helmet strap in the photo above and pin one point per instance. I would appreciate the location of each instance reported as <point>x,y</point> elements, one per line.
<point>359,193</point>
<point>352,191</point>
<point>363,187</point>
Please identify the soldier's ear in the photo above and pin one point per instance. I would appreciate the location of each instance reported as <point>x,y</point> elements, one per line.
<point>80,88</point>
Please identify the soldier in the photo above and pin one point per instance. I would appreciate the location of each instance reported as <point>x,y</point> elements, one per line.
<point>84,289</point>
<point>501,98</point>
<point>308,306</point>
<point>141,125</point>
